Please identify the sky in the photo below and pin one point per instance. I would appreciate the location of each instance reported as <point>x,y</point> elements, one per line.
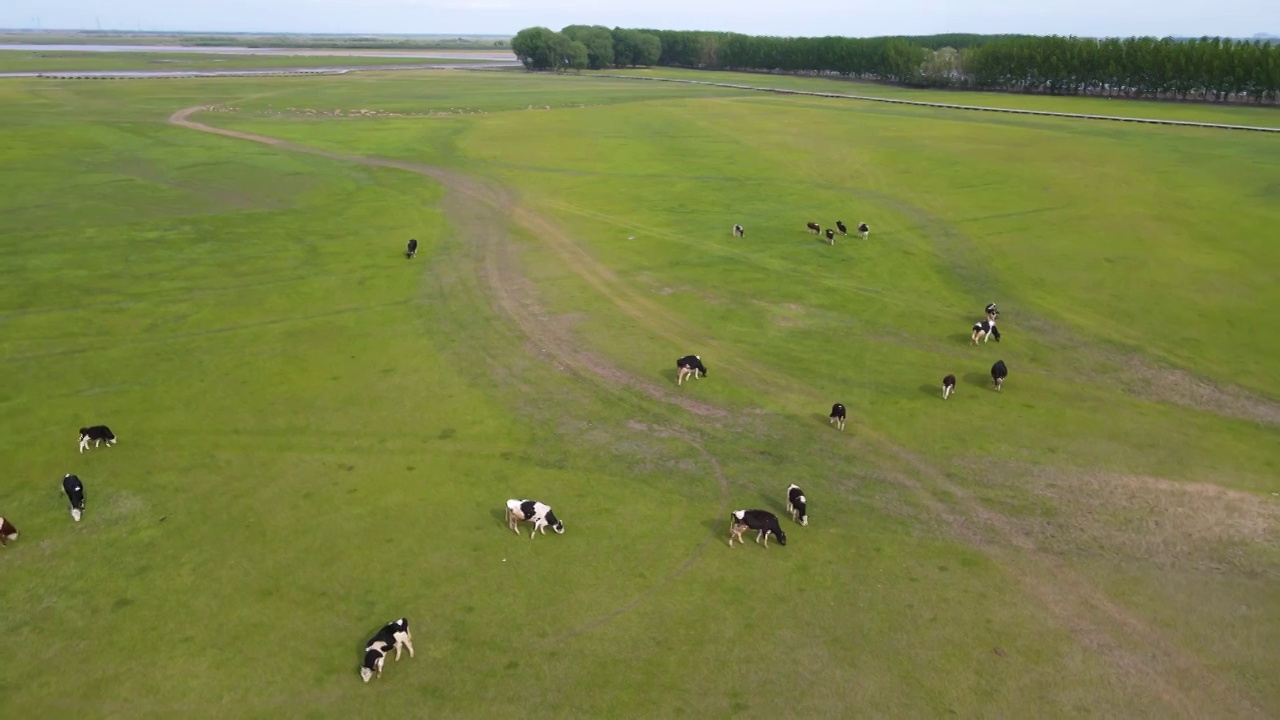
<point>854,18</point>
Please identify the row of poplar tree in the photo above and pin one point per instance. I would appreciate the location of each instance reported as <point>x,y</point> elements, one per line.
<point>1213,69</point>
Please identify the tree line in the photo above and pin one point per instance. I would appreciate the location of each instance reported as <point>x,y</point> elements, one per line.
<point>1209,69</point>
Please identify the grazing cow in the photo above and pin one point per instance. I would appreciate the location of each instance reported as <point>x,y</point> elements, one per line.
<point>984,331</point>
<point>74,489</point>
<point>392,635</point>
<point>993,312</point>
<point>98,434</point>
<point>840,226</point>
<point>863,230</point>
<point>7,532</point>
<point>411,249</point>
<point>689,365</point>
<point>762,521</point>
<point>837,416</point>
<point>532,511</point>
<point>814,228</point>
<point>948,386</point>
<point>797,505</point>
<point>998,373</point>
<point>831,236</point>
<point>738,231</point>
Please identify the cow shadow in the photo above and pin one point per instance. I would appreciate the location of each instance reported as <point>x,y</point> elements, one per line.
<point>500,517</point>
<point>966,338</point>
<point>978,379</point>
<point>932,389</point>
<point>774,505</point>
<point>717,526</point>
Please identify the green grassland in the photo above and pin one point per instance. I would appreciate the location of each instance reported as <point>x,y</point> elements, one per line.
<point>317,435</point>
<point>33,61</point>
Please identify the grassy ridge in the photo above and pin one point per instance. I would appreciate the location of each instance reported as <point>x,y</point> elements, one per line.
<point>329,430</point>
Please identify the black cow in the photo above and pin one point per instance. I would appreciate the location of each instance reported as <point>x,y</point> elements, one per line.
<point>984,331</point>
<point>74,489</point>
<point>814,228</point>
<point>863,230</point>
<point>837,416</point>
<point>738,231</point>
<point>535,512</point>
<point>7,532</point>
<point>993,312</point>
<point>831,236</point>
<point>797,505</point>
<point>97,434</point>
<point>393,635</point>
<point>998,373</point>
<point>840,226</point>
<point>411,249</point>
<point>689,365</point>
<point>948,386</point>
<point>762,521</point>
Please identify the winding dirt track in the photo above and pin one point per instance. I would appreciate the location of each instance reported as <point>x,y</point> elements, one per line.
<point>1144,661</point>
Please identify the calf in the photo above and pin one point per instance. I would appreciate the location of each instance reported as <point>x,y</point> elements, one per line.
<point>998,373</point>
<point>984,331</point>
<point>831,236</point>
<point>762,521</point>
<point>738,231</point>
<point>796,505</point>
<point>7,532</point>
<point>393,635</point>
<point>814,228</point>
<point>689,365</point>
<point>840,226</point>
<point>412,249</point>
<point>993,312</point>
<point>74,489</point>
<point>98,434</point>
<point>948,386</point>
<point>863,230</point>
<point>532,511</point>
<point>837,416</point>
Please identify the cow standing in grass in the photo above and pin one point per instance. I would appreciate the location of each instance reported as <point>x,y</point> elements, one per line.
<point>814,228</point>
<point>411,249</point>
<point>762,521</point>
<point>535,512</point>
<point>393,635</point>
<point>998,373</point>
<point>993,312</point>
<point>74,489</point>
<point>837,416</point>
<point>738,231</point>
<point>984,331</point>
<point>863,231</point>
<point>831,236</point>
<point>689,365</point>
<point>7,532</point>
<point>840,226</point>
<point>948,386</point>
<point>97,434</point>
<point>797,505</point>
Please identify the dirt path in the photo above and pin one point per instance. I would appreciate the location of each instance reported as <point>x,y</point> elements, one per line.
<point>1143,660</point>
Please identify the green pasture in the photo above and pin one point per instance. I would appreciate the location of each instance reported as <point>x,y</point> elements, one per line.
<point>52,61</point>
<point>318,435</point>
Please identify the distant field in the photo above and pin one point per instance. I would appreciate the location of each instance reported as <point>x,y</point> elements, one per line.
<point>418,42</point>
<point>317,435</point>
<point>1200,112</point>
<point>20,61</point>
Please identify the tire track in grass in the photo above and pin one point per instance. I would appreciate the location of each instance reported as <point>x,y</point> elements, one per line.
<point>1141,656</point>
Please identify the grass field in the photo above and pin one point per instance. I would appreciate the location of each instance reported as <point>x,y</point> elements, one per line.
<point>317,435</point>
<point>28,61</point>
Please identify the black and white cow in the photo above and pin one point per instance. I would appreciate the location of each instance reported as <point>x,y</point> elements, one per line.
<point>738,231</point>
<point>74,489</point>
<point>840,226</point>
<point>993,312</point>
<point>837,416</point>
<point>762,521</point>
<point>689,365</point>
<point>97,434</point>
<point>863,230</point>
<point>984,331</point>
<point>998,373</point>
<point>394,635</point>
<point>831,236</point>
<point>535,512</point>
<point>411,249</point>
<point>7,532</point>
<point>797,505</point>
<point>948,386</point>
<point>814,228</point>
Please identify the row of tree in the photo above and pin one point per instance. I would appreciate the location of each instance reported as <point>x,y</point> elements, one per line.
<point>1212,69</point>
<point>579,47</point>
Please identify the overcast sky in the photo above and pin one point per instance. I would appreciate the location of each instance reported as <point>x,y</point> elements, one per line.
<point>776,17</point>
